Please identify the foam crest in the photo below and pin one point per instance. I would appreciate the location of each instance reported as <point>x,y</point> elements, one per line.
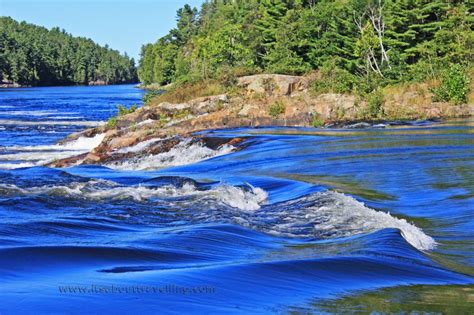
<point>322,215</point>
<point>331,214</point>
<point>243,198</point>
<point>186,152</point>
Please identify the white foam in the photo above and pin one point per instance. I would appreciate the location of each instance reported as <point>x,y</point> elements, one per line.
<point>322,215</point>
<point>139,146</point>
<point>249,200</point>
<point>10,166</point>
<point>44,154</point>
<point>243,199</point>
<point>186,152</point>
<point>337,215</point>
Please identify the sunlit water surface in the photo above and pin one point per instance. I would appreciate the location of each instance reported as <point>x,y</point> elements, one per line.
<point>299,220</point>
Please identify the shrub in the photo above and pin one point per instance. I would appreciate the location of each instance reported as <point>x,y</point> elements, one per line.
<point>333,79</point>
<point>122,110</point>
<point>317,121</point>
<point>375,101</point>
<point>112,122</point>
<point>276,109</point>
<point>454,85</point>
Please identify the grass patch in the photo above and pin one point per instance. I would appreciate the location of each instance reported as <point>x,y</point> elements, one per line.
<point>276,109</point>
<point>190,91</point>
<point>122,110</point>
<point>112,122</point>
<point>317,121</point>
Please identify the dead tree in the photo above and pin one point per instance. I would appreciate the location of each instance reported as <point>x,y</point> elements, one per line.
<point>375,14</point>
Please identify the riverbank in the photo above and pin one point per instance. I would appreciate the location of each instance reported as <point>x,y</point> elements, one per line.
<point>252,101</point>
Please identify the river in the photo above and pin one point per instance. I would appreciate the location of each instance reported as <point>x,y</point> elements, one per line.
<point>300,220</point>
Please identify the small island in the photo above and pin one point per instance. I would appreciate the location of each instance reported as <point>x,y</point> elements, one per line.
<point>248,64</point>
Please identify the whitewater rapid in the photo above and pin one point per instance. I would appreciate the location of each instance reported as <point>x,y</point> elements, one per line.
<point>321,215</point>
<point>28,156</point>
<point>184,153</point>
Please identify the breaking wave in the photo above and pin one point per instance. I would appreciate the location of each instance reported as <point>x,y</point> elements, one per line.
<point>321,215</point>
<point>330,214</point>
<point>246,198</point>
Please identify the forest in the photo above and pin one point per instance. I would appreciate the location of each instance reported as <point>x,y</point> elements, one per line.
<point>356,45</point>
<point>31,55</point>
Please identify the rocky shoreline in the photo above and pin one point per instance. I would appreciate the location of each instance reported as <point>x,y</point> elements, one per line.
<point>262,100</point>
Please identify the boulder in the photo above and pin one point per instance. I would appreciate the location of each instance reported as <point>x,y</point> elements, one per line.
<point>273,84</point>
<point>247,109</point>
<point>198,106</point>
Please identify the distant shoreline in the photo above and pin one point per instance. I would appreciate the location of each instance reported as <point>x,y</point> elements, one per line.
<point>19,86</point>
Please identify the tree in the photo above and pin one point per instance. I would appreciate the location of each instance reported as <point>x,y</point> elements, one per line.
<point>34,55</point>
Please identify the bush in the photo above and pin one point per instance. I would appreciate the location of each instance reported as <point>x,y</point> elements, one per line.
<point>375,101</point>
<point>122,110</point>
<point>333,79</point>
<point>454,85</point>
<point>276,109</point>
<point>112,122</point>
<point>317,121</point>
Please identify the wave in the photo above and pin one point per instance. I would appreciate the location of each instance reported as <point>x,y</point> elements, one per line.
<point>186,152</point>
<point>331,214</point>
<point>320,215</point>
<point>246,198</point>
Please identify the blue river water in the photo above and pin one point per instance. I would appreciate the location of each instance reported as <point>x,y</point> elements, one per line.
<point>299,220</point>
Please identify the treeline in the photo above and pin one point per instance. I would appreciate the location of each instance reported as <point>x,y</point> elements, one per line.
<point>356,44</point>
<point>34,55</point>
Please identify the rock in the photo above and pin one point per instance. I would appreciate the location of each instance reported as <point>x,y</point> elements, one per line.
<point>359,125</point>
<point>92,158</point>
<point>124,141</point>
<point>245,111</point>
<point>66,162</point>
<point>198,106</point>
<point>273,84</point>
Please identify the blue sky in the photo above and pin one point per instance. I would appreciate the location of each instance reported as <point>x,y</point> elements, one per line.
<point>122,24</point>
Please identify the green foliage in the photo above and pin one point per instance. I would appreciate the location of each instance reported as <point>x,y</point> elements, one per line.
<point>276,109</point>
<point>317,121</point>
<point>112,122</point>
<point>122,110</point>
<point>375,101</point>
<point>150,94</point>
<point>454,85</point>
<point>34,55</point>
<point>358,45</point>
<point>333,79</point>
